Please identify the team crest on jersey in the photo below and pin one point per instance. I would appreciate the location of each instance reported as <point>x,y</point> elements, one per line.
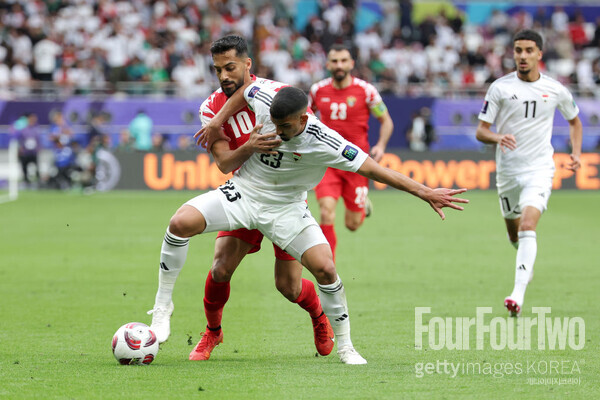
<point>296,156</point>
<point>545,97</point>
<point>349,153</point>
<point>253,91</point>
<point>351,101</point>
<point>484,108</point>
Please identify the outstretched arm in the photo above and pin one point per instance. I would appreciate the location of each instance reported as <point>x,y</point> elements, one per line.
<point>576,133</point>
<point>212,131</point>
<point>437,198</point>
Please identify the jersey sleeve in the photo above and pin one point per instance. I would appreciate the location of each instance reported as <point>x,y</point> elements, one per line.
<point>259,98</point>
<point>566,104</point>
<point>374,101</point>
<point>205,112</point>
<point>335,151</point>
<point>491,105</point>
<point>312,101</point>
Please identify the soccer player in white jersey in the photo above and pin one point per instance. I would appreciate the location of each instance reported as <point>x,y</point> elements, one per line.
<point>268,192</point>
<point>522,105</point>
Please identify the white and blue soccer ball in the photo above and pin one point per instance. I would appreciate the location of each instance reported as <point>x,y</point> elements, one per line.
<point>134,344</point>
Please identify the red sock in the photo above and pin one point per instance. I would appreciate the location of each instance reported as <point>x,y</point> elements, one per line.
<point>309,300</point>
<point>329,232</point>
<point>216,295</point>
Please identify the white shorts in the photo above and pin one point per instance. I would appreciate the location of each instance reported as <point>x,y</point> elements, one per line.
<point>532,189</point>
<point>226,209</point>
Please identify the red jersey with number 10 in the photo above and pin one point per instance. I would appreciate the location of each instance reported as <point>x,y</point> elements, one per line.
<point>239,125</point>
<point>346,110</point>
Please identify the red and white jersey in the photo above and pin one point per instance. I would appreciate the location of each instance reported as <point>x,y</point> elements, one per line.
<point>240,124</point>
<point>346,110</point>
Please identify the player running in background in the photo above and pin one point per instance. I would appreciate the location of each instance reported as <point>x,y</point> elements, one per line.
<point>345,104</point>
<point>522,105</point>
<point>232,65</point>
<point>274,187</point>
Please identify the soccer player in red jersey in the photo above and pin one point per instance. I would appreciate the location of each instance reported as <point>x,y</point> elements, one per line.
<point>345,103</point>
<point>232,65</point>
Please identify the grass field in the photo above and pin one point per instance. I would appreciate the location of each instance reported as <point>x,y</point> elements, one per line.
<point>75,268</point>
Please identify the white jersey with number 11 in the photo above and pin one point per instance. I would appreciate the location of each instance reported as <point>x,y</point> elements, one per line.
<point>526,110</point>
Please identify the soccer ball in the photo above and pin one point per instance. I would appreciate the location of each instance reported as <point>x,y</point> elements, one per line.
<point>134,344</point>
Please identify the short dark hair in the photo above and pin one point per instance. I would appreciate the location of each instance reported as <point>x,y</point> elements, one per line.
<point>339,47</point>
<point>227,43</point>
<point>288,101</point>
<point>528,34</point>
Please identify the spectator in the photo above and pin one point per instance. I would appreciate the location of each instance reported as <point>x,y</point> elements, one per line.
<point>60,129</point>
<point>140,129</point>
<point>126,142</point>
<point>577,32</point>
<point>560,20</point>
<point>64,162</point>
<point>45,53</point>
<point>159,143</point>
<point>28,137</point>
<point>416,133</point>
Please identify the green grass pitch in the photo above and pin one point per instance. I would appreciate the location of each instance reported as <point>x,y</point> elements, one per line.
<point>75,268</point>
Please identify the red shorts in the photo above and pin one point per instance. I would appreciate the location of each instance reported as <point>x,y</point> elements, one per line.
<point>351,186</point>
<point>254,237</point>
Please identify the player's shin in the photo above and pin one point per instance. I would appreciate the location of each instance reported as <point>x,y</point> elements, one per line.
<point>526,254</point>
<point>172,257</point>
<point>216,295</point>
<point>333,301</point>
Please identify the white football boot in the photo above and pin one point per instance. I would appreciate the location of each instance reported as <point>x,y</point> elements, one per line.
<point>348,355</point>
<point>161,322</point>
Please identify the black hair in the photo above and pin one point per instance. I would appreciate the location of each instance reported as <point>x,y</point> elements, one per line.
<point>339,47</point>
<point>227,43</point>
<point>288,101</point>
<point>528,34</point>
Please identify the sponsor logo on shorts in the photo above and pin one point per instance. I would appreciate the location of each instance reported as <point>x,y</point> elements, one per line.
<point>349,153</point>
<point>253,91</point>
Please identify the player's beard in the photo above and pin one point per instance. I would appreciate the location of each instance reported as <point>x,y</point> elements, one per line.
<point>339,75</point>
<point>231,89</point>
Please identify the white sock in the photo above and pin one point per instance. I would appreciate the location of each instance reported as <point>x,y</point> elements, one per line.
<point>524,267</point>
<point>333,301</point>
<point>172,257</point>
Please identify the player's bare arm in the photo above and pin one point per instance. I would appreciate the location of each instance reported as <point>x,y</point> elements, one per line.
<point>576,134</point>
<point>437,198</point>
<point>212,131</point>
<point>485,135</point>
<point>229,160</point>
<point>385,132</point>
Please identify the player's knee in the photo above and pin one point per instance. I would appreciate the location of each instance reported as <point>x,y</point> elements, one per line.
<point>220,271</point>
<point>527,225</point>
<point>327,274</point>
<point>327,216</point>
<point>179,226</point>
<point>353,225</point>
<point>288,289</point>
<point>223,267</point>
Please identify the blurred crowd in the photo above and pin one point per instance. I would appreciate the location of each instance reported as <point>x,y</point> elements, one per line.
<point>83,45</point>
